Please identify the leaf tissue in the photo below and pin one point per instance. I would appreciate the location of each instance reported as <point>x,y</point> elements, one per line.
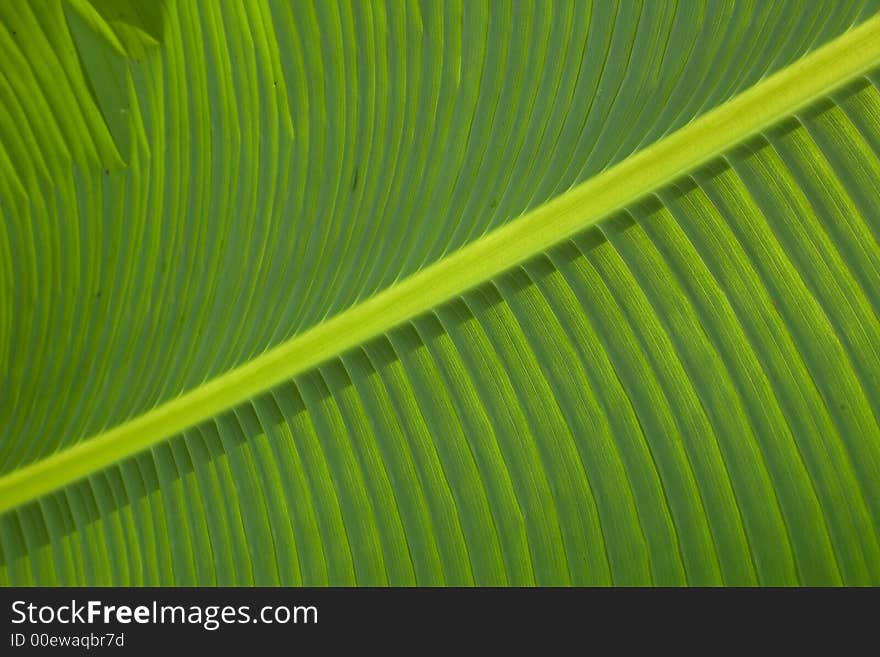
<point>439,292</point>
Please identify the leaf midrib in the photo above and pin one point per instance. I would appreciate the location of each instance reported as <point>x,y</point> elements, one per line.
<point>707,137</point>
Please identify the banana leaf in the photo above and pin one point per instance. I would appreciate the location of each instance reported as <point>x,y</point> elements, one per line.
<point>439,292</point>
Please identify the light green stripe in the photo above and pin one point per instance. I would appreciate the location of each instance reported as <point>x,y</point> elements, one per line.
<point>752,111</point>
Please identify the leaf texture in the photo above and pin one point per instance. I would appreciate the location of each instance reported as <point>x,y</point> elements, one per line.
<point>685,394</point>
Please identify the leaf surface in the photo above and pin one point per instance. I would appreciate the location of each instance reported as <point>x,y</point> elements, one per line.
<point>440,294</point>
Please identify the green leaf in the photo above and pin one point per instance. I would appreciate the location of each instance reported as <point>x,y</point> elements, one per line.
<point>439,293</point>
